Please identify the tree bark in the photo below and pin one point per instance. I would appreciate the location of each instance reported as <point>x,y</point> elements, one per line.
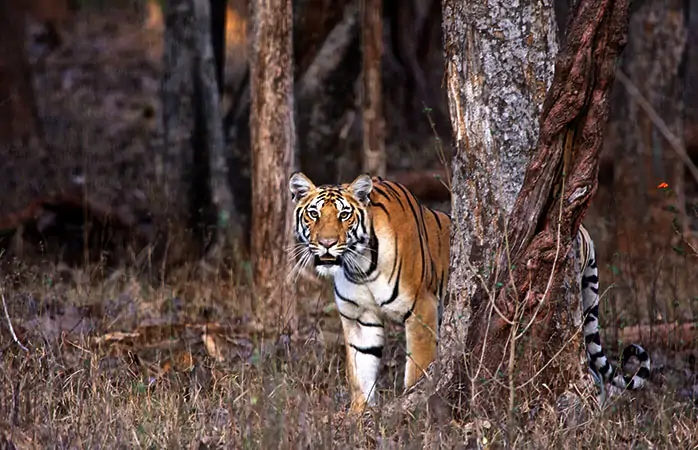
<point>18,119</point>
<point>273,144</point>
<point>374,159</point>
<point>520,268</point>
<point>494,114</point>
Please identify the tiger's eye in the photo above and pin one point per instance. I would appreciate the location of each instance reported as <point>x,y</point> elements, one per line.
<point>312,214</point>
<point>344,215</point>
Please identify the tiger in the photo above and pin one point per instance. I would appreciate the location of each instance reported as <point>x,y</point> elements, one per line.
<point>388,255</point>
<point>598,362</point>
<point>389,258</point>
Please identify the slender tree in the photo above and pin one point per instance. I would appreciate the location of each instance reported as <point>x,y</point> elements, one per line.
<point>273,142</point>
<point>374,160</point>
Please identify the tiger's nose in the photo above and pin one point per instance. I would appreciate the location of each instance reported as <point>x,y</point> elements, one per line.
<point>327,242</point>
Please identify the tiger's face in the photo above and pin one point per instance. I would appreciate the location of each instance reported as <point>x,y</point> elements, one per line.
<point>331,223</point>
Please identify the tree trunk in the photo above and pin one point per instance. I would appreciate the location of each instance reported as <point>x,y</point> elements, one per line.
<point>653,276</point>
<point>192,167</point>
<point>372,105</point>
<point>175,161</point>
<point>327,49</point>
<point>218,15</point>
<point>324,94</point>
<point>691,73</point>
<point>17,102</point>
<point>510,251</point>
<point>209,125</point>
<point>273,143</point>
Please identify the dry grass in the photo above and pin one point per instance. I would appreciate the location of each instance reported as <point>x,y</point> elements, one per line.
<point>83,386</point>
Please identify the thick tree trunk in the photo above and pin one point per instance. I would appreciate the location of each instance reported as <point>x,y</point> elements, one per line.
<point>374,160</point>
<point>653,278</point>
<point>533,333</point>
<point>273,144</point>
<point>17,101</point>
<point>494,114</point>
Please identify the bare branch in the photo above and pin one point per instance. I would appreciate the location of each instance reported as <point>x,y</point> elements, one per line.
<point>674,141</point>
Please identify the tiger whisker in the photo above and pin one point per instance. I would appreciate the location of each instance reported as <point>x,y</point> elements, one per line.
<point>304,257</point>
<point>356,253</point>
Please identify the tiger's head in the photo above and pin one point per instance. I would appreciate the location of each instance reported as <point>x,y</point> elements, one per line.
<point>332,223</point>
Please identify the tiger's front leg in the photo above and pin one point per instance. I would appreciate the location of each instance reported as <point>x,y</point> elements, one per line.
<point>364,337</point>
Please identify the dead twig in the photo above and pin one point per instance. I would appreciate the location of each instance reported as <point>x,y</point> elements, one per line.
<point>9,324</point>
<point>673,140</point>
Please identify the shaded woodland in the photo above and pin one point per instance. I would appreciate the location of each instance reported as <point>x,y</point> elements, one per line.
<point>145,149</point>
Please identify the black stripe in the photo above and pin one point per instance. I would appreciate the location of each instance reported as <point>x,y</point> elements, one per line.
<point>375,351</point>
<point>419,229</point>
<point>344,299</point>
<point>380,191</point>
<point>597,355</point>
<point>299,211</point>
<point>409,313</point>
<point>606,370</point>
<point>373,246</point>
<point>589,318</point>
<point>590,279</point>
<point>360,322</point>
<point>362,220</point>
<point>395,193</point>
<point>367,324</point>
<point>436,217</point>
<point>357,277</point>
<point>643,372</point>
<point>633,350</point>
<point>593,337</point>
<point>593,311</point>
<point>395,288</point>
<point>381,206</point>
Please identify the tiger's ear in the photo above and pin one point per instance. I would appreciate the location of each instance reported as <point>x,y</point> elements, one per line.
<point>299,185</point>
<point>361,187</point>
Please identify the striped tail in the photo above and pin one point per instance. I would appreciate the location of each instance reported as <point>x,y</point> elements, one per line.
<point>592,339</point>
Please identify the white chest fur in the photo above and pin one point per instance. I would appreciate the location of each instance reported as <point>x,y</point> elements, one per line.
<point>379,296</point>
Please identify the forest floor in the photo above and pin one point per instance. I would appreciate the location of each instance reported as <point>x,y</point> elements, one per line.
<point>115,359</point>
<point>118,362</point>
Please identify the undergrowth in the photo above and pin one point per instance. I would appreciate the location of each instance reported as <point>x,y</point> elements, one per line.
<point>159,384</point>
